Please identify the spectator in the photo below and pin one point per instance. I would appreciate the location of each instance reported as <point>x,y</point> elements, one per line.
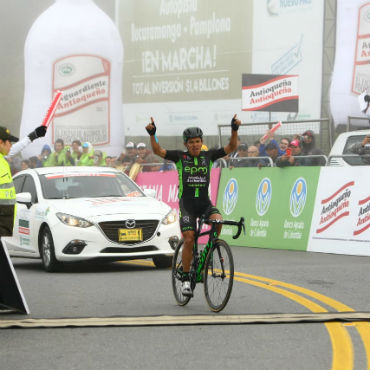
<point>362,149</point>
<point>144,157</point>
<point>25,164</point>
<point>14,163</point>
<point>110,161</point>
<point>130,153</point>
<point>240,159</point>
<point>309,148</point>
<point>253,160</point>
<point>76,151</point>
<point>45,153</point>
<point>296,158</point>
<point>99,158</point>
<point>283,145</point>
<point>253,151</point>
<point>87,156</point>
<point>124,166</point>
<point>59,157</point>
<point>272,151</point>
<point>35,162</point>
<point>268,138</point>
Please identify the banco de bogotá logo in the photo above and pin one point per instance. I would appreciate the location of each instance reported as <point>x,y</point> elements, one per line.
<point>230,196</point>
<point>298,197</point>
<point>263,197</point>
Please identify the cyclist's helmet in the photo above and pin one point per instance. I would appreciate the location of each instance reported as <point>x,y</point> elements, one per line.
<point>191,132</point>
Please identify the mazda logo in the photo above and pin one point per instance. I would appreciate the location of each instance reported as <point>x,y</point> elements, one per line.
<point>130,224</point>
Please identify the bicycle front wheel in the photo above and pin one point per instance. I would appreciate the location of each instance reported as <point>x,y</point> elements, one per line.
<point>218,275</point>
<point>176,275</point>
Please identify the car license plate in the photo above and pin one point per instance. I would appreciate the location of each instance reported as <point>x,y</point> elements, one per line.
<point>125,235</point>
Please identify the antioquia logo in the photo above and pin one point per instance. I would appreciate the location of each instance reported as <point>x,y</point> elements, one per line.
<point>298,197</point>
<point>230,196</point>
<point>263,197</point>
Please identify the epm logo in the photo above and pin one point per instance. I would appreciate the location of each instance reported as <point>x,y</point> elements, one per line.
<point>263,197</point>
<point>298,197</point>
<point>196,170</point>
<point>230,196</point>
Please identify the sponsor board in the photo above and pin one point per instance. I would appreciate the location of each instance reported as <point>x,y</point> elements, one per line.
<point>272,93</point>
<point>341,218</point>
<point>276,203</point>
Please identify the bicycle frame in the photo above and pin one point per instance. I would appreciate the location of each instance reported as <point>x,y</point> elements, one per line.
<point>199,259</point>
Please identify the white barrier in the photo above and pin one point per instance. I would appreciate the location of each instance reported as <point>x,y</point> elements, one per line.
<point>341,217</point>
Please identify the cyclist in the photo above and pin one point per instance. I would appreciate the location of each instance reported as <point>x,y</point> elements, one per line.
<point>194,167</point>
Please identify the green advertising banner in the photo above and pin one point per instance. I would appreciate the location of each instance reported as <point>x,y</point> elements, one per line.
<point>277,204</point>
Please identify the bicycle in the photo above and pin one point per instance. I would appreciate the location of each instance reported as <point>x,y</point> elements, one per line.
<point>213,266</point>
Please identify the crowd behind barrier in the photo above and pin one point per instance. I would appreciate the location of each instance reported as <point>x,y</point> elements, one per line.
<point>297,150</point>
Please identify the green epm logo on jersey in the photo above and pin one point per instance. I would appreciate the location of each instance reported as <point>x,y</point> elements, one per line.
<point>196,170</point>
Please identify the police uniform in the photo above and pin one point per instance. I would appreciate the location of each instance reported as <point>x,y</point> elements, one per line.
<point>7,190</point>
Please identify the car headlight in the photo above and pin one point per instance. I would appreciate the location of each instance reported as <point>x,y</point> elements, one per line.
<point>170,218</point>
<point>73,220</point>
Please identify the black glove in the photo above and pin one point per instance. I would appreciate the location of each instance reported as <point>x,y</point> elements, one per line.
<point>367,98</point>
<point>38,132</point>
<point>234,126</point>
<point>152,131</point>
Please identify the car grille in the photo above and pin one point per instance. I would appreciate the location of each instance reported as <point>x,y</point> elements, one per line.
<point>147,248</point>
<point>110,229</point>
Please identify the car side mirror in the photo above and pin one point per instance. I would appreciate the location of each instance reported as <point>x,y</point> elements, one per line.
<point>149,192</point>
<point>24,198</point>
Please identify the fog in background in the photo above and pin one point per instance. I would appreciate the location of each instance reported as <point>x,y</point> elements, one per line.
<point>16,18</point>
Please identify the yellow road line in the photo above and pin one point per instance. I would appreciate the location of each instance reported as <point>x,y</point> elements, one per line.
<point>342,348</point>
<point>341,341</point>
<point>363,328</point>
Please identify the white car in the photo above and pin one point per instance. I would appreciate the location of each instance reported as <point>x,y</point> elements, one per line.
<point>341,155</point>
<point>67,214</point>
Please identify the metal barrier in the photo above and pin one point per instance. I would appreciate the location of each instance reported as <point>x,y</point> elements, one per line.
<point>164,166</point>
<point>348,160</point>
<point>250,162</point>
<point>272,164</point>
<point>220,163</point>
<point>253,131</point>
<point>354,118</point>
<point>313,156</point>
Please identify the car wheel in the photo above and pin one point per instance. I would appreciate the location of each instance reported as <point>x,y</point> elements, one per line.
<point>47,251</point>
<point>162,262</point>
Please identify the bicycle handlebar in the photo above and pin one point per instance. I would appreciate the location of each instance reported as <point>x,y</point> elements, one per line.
<point>240,224</point>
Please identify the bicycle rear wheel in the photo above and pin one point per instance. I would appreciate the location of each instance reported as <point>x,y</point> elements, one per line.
<point>176,275</point>
<point>218,275</point>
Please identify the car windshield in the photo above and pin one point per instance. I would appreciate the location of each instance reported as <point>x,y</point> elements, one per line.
<point>88,185</point>
<point>353,160</point>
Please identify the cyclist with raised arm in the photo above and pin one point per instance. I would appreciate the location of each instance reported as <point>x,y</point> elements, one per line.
<point>194,169</point>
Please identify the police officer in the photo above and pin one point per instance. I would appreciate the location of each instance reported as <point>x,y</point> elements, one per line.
<point>7,190</point>
<point>10,293</point>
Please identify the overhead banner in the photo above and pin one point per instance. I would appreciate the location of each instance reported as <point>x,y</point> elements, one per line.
<point>288,40</point>
<point>184,59</point>
<point>270,93</point>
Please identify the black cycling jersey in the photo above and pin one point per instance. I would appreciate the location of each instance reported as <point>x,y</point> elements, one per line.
<point>194,172</point>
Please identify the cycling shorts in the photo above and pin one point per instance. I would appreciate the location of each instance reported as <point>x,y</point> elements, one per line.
<point>191,209</point>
